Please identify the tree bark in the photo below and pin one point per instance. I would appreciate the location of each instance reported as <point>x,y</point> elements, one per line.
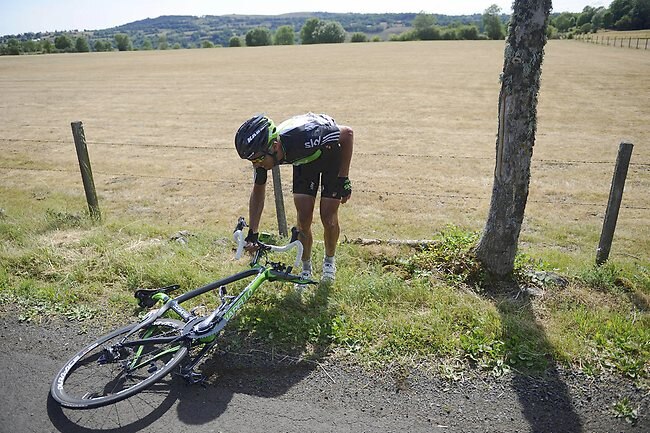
<point>520,82</point>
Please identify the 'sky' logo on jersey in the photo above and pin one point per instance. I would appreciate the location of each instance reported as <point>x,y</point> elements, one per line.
<point>312,143</point>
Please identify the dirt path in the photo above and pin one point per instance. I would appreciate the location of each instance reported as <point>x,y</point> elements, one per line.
<point>256,392</point>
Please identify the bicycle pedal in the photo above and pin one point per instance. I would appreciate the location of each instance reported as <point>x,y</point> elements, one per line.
<point>193,378</point>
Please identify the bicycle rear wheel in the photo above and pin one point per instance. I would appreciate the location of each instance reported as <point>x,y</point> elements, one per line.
<point>110,369</point>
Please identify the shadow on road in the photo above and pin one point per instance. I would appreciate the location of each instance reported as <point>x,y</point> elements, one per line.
<point>239,365</point>
<point>129,416</point>
<point>545,400</point>
<point>244,366</point>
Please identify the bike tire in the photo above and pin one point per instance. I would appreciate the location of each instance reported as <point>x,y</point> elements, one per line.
<point>98,374</point>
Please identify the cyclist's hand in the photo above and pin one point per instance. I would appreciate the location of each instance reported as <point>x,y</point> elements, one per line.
<point>251,240</point>
<point>345,187</point>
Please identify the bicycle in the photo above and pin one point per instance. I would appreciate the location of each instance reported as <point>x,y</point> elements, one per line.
<point>131,359</point>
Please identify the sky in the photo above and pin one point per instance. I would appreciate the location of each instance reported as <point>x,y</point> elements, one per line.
<point>21,16</point>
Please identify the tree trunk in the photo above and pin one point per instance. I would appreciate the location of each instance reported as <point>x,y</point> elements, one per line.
<point>516,135</point>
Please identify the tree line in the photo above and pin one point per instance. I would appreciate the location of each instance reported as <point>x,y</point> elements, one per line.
<point>621,15</point>
<point>176,32</point>
<point>236,31</point>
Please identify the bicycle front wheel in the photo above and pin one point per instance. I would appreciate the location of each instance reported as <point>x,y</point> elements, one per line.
<point>114,368</point>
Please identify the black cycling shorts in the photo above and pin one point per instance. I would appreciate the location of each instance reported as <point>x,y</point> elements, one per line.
<point>323,172</point>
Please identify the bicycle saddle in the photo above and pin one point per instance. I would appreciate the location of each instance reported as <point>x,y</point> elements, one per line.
<point>145,296</point>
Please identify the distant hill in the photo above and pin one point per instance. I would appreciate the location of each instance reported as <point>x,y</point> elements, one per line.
<point>191,31</point>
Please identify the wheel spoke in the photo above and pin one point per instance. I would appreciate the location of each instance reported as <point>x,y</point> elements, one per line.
<point>114,370</point>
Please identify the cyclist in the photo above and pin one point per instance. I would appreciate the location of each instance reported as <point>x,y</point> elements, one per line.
<point>320,152</point>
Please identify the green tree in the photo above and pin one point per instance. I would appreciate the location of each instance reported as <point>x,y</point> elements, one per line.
<point>359,37</point>
<point>625,23</point>
<point>259,37</point>
<point>424,26</point>
<point>423,21</point>
<point>308,31</point>
<point>330,32</point>
<point>432,33</point>
<point>47,46</point>
<point>147,45</point>
<point>162,42</point>
<point>564,22</point>
<point>641,14</point>
<point>630,14</point>
<point>608,19</point>
<point>102,45</point>
<point>123,42</point>
<point>492,23</point>
<point>234,42</point>
<point>469,33</point>
<point>63,43</point>
<point>586,16</point>
<point>31,46</point>
<point>207,44</point>
<point>13,47</point>
<point>81,45</point>
<point>284,35</point>
<point>620,8</point>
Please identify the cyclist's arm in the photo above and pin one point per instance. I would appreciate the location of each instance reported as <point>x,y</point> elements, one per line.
<point>256,206</point>
<point>347,144</point>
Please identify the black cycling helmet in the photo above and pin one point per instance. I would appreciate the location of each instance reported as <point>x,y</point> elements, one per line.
<point>255,136</point>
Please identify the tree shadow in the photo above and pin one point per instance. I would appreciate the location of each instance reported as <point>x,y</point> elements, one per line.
<point>542,392</point>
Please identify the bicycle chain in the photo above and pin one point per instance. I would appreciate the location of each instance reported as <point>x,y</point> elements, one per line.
<point>189,332</point>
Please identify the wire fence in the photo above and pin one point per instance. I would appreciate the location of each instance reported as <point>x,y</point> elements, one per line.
<point>208,148</point>
<point>412,194</point>
<point>615,41</point>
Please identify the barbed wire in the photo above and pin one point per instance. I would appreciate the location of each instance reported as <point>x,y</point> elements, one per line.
<point>422,195</point>
<point>360,153</point>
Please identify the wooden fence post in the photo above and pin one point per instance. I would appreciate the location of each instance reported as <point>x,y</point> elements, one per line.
<point>279,202</point>
<point>614,203</point>
<point>86,171</point>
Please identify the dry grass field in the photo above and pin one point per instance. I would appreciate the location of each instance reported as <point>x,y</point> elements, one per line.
<point>160,129</point>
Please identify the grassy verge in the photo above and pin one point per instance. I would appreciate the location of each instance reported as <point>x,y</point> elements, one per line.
<point>389,306</point>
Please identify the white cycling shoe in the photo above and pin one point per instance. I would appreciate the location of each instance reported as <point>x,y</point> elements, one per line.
<point>305,275</point>
<point>329,273</point>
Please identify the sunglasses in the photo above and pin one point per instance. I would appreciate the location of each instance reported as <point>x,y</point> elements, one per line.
<point>259,159</point>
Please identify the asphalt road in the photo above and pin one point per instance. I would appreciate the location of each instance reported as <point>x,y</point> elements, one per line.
<point>261,392</point>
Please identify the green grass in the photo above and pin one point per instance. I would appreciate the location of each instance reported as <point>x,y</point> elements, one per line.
<point>390,306</point>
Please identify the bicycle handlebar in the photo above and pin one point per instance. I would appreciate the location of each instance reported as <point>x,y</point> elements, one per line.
<point>240,240</point>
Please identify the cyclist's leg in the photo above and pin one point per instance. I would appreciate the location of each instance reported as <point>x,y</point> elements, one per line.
<point>305,186</point>
<point>329,215</point>
<point>330,201</point>
<point>305,210</point>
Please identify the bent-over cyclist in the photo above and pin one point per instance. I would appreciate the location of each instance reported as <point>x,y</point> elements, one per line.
<point>320,152</point>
